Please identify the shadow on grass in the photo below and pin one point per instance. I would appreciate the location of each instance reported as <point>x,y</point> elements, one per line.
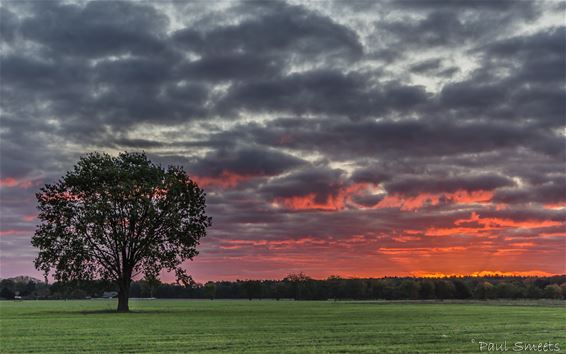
<point>109,312</point>
<point>114,312</point>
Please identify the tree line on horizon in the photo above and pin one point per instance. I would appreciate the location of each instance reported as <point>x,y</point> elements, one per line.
<point>302,287</point>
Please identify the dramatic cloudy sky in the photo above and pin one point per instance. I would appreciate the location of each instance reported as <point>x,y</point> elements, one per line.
<point>351,137</point>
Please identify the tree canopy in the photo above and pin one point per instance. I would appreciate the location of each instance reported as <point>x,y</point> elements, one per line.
<point>115,218</point>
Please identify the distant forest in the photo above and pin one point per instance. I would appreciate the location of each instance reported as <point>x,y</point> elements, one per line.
<point>302,287</point>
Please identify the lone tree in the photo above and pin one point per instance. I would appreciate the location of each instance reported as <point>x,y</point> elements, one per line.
<point>114,218</point>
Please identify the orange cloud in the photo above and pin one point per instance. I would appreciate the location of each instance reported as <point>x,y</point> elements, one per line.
<point>499,222</point>
<point>226,179</point>
<point>13,182</point>
<point>271,244</point>
<point>523,244</point>
<point>344,197</point>
<point>449,231</point>
<point>339,201</point>
<point>420,251</point>
<point>552,234</point>
<point>555,206</point>
<point>426,199</point>
<point>486,225</point>
<point>308,202</point>
<point>10,232</point>
<point>404,239</point>
<point>29,218</point>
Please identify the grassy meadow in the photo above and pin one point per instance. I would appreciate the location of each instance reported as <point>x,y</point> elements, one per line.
<point>200,326</point>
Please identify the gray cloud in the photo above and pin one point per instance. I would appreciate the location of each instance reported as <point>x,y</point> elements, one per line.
<point>277,30</point>
<point>246,162</point>
<point>322,182</point>
<point>439,184</point>
<point>96,29</point>
<point>345,139</point>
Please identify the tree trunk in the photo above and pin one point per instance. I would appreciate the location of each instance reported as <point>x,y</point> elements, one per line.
<point>123,297</point>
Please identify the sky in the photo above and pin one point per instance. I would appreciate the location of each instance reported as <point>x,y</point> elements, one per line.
<point>352,138</point>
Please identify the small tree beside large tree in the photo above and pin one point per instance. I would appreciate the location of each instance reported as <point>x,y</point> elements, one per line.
<point>116,218</point>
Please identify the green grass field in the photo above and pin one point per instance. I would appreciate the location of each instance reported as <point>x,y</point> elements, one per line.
<point>275,326</point>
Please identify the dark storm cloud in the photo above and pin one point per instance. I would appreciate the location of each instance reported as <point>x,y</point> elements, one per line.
<point>453,23</point>
<point>433,67</point>
<point>538,75</point>
<point>437,184</point>
<point>525,214</point>
<point>541,47</point>
<point>96,29</point>
<point>409,138</point>
<point>97,64</point>
<point>328,92</point>
<point>553,192</point>
<point>525,8</point>
<point>266,44</point>
<point>437,29</point>
<point>531,88</point>
<point>246,162</point>
<point>368,200</point>
<point>9,25</point>
<point>231,67</point>
<point>427,65</point>
<point>468,95</point>
<point>313,92</point>
<point>372,174</point>
<point>35,76</point>
<point>119,57</point>
<point>278,30</point>
<point>256,53</point>
<point>320,181</point>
